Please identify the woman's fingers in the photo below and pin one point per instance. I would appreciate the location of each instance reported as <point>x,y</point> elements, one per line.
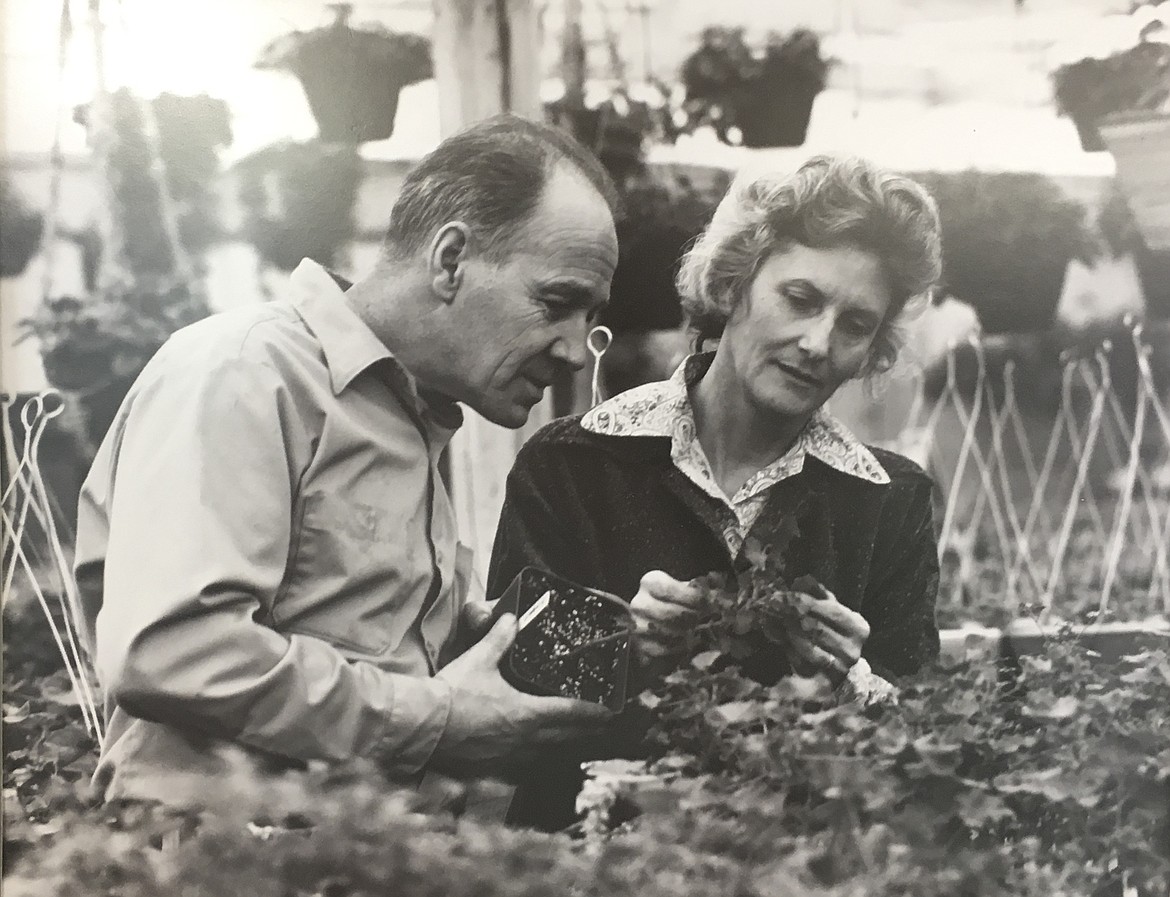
<point>665,610</point>
<point>666,589</point>
<point>835,615</point>
<point>817,635</point>
<point>814,658</point>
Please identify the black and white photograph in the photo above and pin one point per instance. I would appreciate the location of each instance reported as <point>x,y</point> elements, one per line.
<point>607,448</point>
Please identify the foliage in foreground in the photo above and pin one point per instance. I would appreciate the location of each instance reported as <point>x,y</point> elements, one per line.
<point>1052,781</point>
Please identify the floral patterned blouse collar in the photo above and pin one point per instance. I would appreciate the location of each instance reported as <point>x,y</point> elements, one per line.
<point>663,409</point>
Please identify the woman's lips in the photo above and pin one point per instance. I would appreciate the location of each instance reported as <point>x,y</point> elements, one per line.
<point>801,376</point>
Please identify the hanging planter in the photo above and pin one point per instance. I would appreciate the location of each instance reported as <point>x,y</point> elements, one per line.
<point>780,99</point>
<point>20,231</point>
<point>351,77</point>
<point>1135,80</point>
<point>298,201</point>
<point>1023,221</point>
<point>768,98</point>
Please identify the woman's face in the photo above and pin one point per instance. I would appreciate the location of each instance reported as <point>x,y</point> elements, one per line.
<point>806,326</point>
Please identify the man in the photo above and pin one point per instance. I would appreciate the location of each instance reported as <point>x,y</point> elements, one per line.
<point>266,554</point>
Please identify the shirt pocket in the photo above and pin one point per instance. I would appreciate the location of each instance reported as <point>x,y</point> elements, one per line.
<point>357,577</point>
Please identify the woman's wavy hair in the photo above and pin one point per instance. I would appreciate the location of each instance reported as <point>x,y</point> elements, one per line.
<point>829,201</point>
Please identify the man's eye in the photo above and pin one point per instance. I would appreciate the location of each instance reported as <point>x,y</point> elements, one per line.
<point>555,306</point>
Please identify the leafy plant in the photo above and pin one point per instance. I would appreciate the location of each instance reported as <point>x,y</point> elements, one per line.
<point>94,348</point>
<point>1137,79</point>
<point>767,96</point>
<point>352,77</point>
<point>661,219</point>
<point>1007,240</point>
<point>299,199</point>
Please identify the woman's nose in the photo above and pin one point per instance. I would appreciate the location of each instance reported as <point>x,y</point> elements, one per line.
<point>814,341</point>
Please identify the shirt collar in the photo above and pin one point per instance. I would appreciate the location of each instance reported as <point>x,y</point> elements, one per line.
<point>350,347</point>
<point>663,409</point>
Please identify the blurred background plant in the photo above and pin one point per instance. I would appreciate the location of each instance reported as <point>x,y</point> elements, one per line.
<point>21,227</point>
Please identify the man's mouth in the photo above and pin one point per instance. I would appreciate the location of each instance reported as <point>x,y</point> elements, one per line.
<point>537,383</point>
<point>800,375</point>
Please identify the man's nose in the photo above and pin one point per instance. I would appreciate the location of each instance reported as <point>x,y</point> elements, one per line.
<point>818,333</point>
<point>570,343</point>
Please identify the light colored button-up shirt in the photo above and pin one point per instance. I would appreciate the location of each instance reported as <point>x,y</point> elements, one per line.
<point>266,552</point>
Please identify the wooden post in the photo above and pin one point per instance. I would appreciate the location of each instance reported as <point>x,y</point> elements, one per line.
<point>486,55</point>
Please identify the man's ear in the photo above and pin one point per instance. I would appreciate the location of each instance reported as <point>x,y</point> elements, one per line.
<point>448,253</point>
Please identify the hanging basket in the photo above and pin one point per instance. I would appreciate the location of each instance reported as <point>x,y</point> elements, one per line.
<point>351,77</point>
<point>769,99</point>
<point>1089,90</point>
<point>299,200</point>
<point>780,121</point>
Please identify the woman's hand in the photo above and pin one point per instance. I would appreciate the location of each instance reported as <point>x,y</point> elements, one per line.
<point>829,636</point>
<point>665,610</point>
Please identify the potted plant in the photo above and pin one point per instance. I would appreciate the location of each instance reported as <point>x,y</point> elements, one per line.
<point>298,201</point>
<point>768,97</point>
<point>717,78</point>
<point>20,231</point>
<point>1007,240</point>
<point>787,82</point>
<point>1137,79</point>
<point>94,348</point>
<point>1120,232</point>
<point>351,76</point>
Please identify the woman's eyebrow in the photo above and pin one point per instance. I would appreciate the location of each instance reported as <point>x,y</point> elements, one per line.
<point>802,284</point>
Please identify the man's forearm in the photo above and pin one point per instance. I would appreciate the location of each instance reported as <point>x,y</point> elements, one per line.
<point>292,696</point>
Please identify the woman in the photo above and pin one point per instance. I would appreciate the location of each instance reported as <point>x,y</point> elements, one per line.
<point>802,280</point>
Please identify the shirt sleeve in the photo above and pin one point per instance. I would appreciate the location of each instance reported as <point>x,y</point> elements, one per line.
<point>199,489</point>
<point>900,603</point>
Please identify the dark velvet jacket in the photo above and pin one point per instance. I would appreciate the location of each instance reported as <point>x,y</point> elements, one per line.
<point>603,510</point>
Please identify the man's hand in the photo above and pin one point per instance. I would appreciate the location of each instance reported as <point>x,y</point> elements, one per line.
<point>665,610</point>
<point>475,619</point>
<point>829,636</point>
<point>493,727</point>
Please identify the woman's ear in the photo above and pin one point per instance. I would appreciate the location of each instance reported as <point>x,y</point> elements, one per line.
<point>446,260</point>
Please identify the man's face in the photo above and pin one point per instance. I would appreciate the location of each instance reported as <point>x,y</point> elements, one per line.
<point>527,317</point>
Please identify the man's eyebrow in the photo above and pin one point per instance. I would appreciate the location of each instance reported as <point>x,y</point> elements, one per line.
<point>576,292</point>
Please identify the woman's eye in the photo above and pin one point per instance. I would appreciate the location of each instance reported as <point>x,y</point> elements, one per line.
<point>857,328</point>
<point>801,301</point>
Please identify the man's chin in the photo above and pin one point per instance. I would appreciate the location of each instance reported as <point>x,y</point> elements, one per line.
<point>512,417</point>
